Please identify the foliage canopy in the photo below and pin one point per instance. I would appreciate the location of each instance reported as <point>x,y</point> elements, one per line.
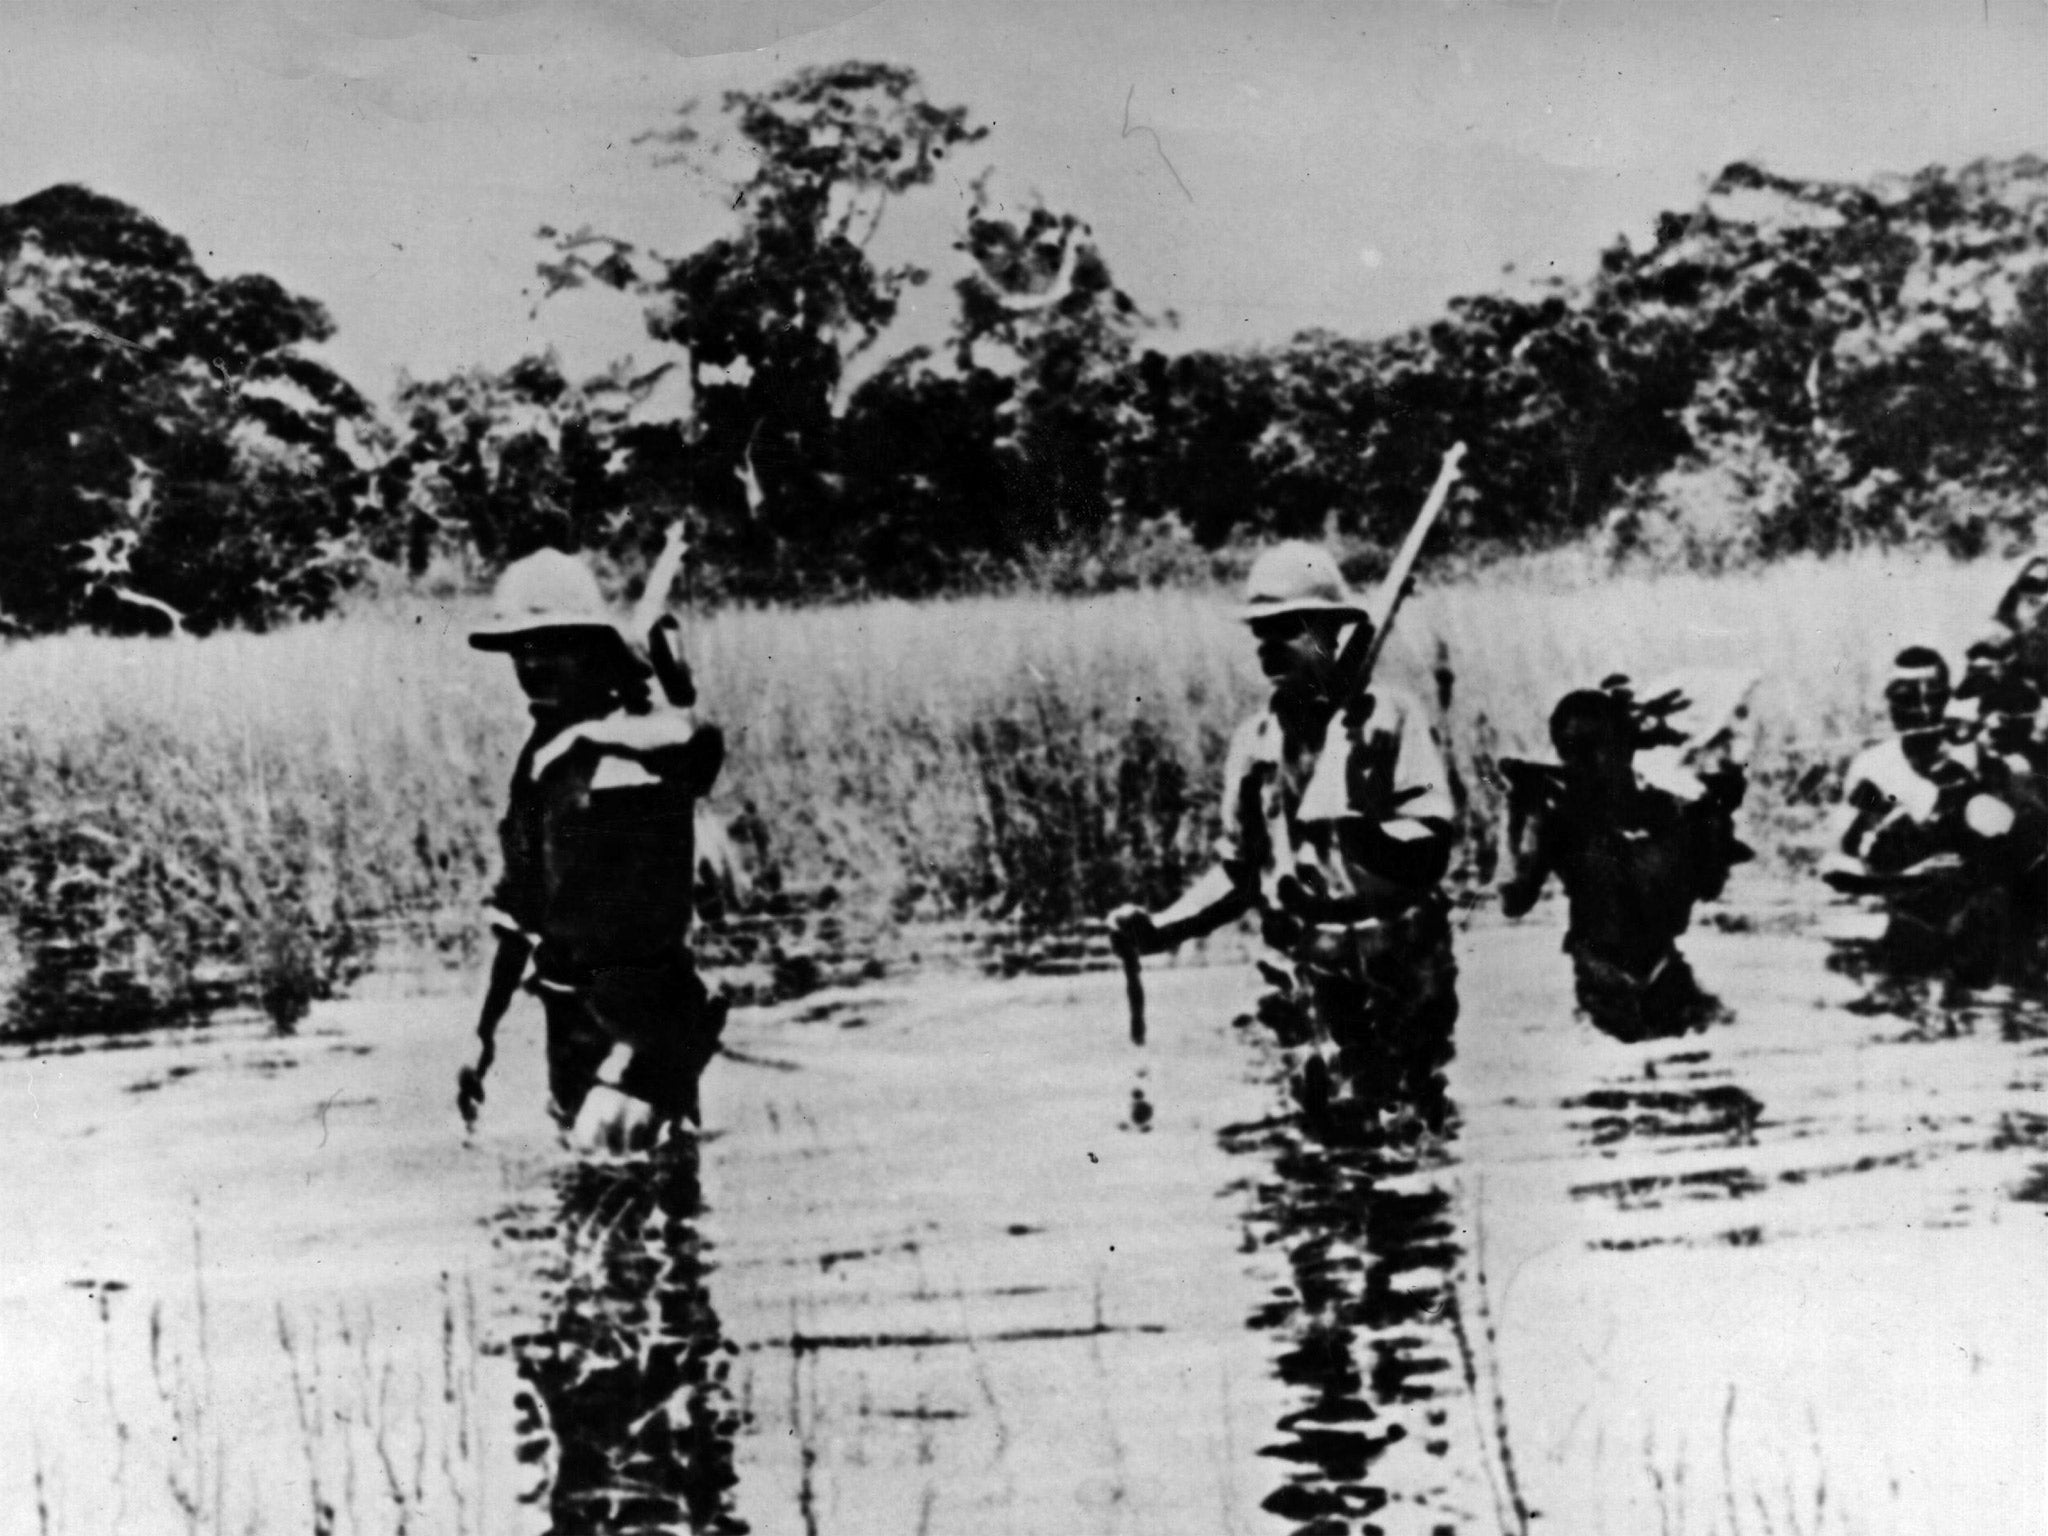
<point>1793,365</point>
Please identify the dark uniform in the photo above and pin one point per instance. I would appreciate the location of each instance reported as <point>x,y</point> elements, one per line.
<point>593,910</point>
<point>1633,862</point>
<point>599,869</point>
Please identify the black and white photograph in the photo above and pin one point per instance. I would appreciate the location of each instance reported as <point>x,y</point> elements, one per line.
<point>1024,768</point>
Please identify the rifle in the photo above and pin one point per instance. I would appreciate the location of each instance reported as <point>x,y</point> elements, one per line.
<point>1134,987</point>
<point>1361,653</point>
<point>1353,670</point>
<point>663,633</point>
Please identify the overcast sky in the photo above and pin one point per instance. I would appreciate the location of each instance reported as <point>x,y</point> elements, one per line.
<point>1256,167</point>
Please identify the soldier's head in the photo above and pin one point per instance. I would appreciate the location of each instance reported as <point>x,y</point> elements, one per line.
<point>2024,608</point>
<point>1916,695</point>
<point>1297,606</point>
<point>549,616</point>
<point>1987,663</point>
<point>2012,715</point>
<point>1594,737</point>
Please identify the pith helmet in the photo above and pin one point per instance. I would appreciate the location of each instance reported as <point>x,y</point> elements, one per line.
<point>548,590</point>
<point>1297,577</point>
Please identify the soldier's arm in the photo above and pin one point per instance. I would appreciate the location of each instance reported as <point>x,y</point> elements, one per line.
<point>1230,888</point>
<point>508,969</point>
<point>1519,891</point>
<point>514,912</point>
<point>667,741</point>
<point>1219,897</point>
<point>1887,836</point>
<point>1534,793</point>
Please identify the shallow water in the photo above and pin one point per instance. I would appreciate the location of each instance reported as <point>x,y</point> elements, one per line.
<point>979,1264</point>
<point>1367,1326</point>
<point>628,1417</point>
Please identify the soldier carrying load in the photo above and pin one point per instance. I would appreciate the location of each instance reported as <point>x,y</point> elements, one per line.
<point>1636,841</point>
<point>1944,820</point>
<point>593,910</point>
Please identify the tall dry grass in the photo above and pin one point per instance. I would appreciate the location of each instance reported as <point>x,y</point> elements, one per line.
<point>247,815</point>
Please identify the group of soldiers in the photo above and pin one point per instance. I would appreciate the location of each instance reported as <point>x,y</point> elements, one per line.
<point>1946,820</point>
<point>1338,818</point>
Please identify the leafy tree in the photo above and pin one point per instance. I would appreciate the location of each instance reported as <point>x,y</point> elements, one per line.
<point>1878,341</point>
<point>167,453</point>
<point>1851,362</point>
<point>496,464</point>
<point>772,314</point>
<point>1039,308</point>
<point>926,486</point>
<point>1203,428</point>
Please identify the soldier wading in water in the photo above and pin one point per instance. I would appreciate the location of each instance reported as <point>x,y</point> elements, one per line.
<point>1633,859</point>
<point>598,853</point>
<point>1337,830</point>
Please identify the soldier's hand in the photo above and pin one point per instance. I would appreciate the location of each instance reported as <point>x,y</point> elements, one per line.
<point>1302,894</point>
<point>1518,897</point>
<point>1131,927</point>
<point>469,1093</point>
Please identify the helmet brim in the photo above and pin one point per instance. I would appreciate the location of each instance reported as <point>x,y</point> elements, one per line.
<point>506,636</point>
<point>1280,608</point>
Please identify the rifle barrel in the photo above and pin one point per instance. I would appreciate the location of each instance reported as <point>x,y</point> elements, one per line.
<point>1361,653</point>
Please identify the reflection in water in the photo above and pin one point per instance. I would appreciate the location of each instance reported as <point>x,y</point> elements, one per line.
<point>1712,1112</point>
<point>1919,988</point>
<point>1950,958</point>
<point>1370,1343</point>
<point>629,1394</point>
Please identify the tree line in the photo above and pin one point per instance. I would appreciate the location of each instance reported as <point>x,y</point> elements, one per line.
<point>1793,365</point>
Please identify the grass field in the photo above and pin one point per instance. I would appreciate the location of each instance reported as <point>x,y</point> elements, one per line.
<point>184,822</point>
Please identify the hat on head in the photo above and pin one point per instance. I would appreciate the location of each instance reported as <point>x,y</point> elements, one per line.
<point>1297,577</point>
<point>1919,664</point>
<point>546,591</point>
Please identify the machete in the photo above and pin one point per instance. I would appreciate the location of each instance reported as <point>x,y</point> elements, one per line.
<point>1134,987</point>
